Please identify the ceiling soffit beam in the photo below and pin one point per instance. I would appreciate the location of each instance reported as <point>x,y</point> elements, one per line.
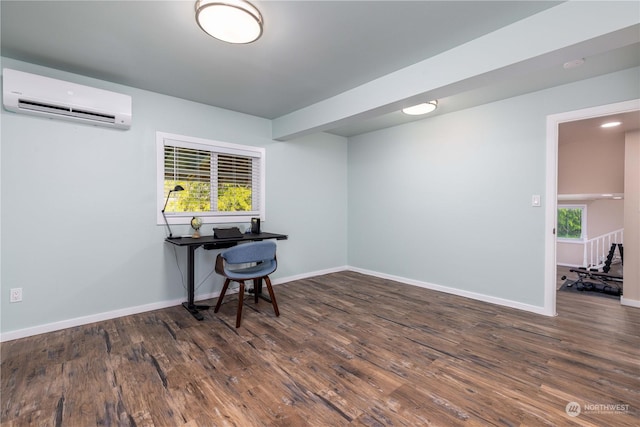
<point>533,41</point>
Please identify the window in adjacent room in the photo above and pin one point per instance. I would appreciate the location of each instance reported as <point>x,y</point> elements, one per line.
<point>222,182</point>
<point>572,222</point>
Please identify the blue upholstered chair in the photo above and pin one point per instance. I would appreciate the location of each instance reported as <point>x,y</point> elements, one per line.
<point>261,256</point>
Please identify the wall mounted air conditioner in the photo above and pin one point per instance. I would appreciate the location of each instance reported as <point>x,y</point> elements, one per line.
<point>46,97</point>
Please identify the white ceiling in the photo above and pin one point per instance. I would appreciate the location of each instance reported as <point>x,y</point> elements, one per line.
<point>310,52</point>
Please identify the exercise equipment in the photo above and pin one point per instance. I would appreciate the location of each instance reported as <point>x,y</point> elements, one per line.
<point>595,281</point>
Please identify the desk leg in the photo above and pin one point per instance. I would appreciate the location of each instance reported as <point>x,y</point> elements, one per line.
<point>190,305</point>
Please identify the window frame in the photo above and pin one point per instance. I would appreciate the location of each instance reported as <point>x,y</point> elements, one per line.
<point>583,223</point>
<point>211,217</point>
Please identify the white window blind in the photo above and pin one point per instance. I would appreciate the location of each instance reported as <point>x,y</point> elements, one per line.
<point>221,181</point>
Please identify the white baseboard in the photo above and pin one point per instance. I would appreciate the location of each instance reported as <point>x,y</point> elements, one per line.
<point>629,302</point>
<point>84,320</point>
<point>459,292</point>
<point>310,274</point>
<point>107,315</point>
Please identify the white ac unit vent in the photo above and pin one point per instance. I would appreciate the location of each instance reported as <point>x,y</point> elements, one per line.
<point>46,97</point>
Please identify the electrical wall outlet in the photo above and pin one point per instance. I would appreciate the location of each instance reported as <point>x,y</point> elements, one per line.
<point>15,295</point>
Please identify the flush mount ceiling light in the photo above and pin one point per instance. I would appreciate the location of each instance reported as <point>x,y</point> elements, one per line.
<point>610,124</point>
<point>424,108</point>
<point>232,21</point>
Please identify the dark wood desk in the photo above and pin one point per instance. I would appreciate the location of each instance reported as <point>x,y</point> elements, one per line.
<point>210,242</point>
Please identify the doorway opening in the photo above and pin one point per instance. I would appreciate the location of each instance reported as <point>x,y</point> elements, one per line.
<point>551,198</point>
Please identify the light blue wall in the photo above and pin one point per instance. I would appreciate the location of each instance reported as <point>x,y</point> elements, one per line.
<point>447,200</point>
<point>79,231</point>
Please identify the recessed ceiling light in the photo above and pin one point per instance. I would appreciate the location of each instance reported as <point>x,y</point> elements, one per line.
<point>424,108</point>
<point>232,21</point>
<point>610,124</point>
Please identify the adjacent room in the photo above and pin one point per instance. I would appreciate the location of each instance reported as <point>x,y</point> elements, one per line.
<point>388,176</point>
<point>591,191</point>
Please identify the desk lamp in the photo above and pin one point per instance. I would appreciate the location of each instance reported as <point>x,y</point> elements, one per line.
<point>176,188</point>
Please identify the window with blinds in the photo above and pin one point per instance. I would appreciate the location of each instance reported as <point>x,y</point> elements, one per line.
<point>223,182</point>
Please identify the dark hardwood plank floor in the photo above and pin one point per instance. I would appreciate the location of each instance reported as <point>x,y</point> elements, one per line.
<point>347,350</point>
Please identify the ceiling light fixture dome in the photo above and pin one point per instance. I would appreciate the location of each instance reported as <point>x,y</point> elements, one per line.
<point>232,21</point>
<point>424,108</point>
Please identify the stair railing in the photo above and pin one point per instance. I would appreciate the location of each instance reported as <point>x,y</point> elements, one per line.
<point>597,248</point>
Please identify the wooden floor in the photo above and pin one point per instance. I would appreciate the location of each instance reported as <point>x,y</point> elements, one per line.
<point>347,350</point>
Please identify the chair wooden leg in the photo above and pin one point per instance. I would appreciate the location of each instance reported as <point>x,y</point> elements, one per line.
<point>240,299</point>
<point>221,297</point>
<point>272,295</point>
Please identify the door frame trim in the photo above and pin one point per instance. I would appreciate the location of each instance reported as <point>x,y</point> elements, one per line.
<point>551,186</point>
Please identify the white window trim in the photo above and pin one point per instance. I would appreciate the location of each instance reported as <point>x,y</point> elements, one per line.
<point>198,143</point>
<point>583,237</point>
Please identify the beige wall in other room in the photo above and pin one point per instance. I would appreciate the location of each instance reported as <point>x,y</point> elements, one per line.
<point>590,163</point>
<point>570,254</point>
<point>632,218</point>
<point>604,216</point>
